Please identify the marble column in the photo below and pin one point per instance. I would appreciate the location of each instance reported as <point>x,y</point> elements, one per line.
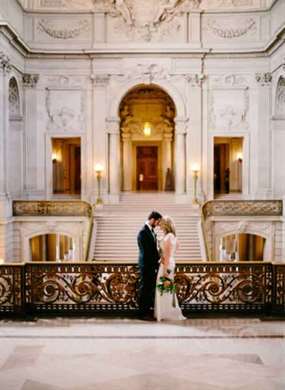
<point>180,157</point>
<point>114,160</point>
<point>30,153</point>
<point>127,162</point>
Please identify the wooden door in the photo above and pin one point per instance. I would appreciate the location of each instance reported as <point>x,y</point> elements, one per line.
<point>147,168</point>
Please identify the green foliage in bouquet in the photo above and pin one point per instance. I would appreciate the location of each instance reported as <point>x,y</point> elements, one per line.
<point>165,285</point>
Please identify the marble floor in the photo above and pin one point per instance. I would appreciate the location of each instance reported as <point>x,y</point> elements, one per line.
<point>88,354</point>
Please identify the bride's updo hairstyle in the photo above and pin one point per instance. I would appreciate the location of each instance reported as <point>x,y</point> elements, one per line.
<point>167,225</point>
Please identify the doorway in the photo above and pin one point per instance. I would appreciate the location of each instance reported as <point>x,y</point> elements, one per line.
<point>228,165</point>
<point>147,168</point>
<point>66,163</point>
<point>147,127</point>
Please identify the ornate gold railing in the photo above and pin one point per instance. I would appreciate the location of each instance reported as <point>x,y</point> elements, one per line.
<point>88,288</point>
<point>57,208</point>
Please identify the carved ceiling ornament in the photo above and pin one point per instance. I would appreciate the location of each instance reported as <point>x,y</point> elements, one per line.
<point>50,28</point>
<point>147,18</point>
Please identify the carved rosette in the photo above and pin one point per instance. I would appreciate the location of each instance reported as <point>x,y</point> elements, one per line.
<point>30,80</point>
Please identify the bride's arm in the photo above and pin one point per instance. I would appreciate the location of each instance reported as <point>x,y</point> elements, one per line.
<point>166,255</point>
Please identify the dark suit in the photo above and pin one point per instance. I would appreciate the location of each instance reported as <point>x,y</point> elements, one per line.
<point>148,266</point>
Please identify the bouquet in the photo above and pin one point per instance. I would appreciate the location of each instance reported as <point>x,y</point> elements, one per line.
<point>166,285</point>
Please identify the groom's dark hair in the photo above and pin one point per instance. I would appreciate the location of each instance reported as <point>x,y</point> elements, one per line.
<point>155,215</point>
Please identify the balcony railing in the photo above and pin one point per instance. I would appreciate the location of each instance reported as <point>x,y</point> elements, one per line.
<point>91,288</point>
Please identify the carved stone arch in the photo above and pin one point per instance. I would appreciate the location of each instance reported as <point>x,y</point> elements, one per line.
<point>280,97</point>
<point>247,228</point>
<point>167,87</point>
<point>54,229</point>
<point>15,98</point>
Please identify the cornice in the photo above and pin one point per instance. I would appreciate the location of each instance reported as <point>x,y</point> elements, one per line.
<point>18,43</point>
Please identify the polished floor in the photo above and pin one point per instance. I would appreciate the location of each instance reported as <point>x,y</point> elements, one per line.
<point>126,354</point>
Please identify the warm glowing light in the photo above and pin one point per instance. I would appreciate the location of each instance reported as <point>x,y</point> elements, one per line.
<point>195,168</point>
<point>147,129</point>
<point>99,168</point>
<point>54,156</point>
<point>239,156</point>
<point>1,261</point>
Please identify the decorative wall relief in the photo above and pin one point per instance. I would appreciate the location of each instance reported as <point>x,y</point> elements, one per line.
<point>229,109</point>
<point>65,105</point>
<point>280,98</point>
<point>59,29</point>
<point>150,19</point>
<point>230,27</point>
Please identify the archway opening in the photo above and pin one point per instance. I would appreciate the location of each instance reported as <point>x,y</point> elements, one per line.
<point>147,115</point>
<point>51,247</point>
<point>242,247</point>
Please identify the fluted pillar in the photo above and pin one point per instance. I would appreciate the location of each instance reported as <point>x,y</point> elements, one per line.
<point>180,157</point>
<point>127,162</point>
<point>114,160</point>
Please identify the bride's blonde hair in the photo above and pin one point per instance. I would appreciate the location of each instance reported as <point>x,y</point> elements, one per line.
<point>167,225</point>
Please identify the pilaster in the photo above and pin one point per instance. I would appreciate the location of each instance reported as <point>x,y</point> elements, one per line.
<point>31,151</point>
<point>263,185</point>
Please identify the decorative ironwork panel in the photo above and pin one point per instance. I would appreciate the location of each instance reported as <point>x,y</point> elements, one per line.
<point>244,287</point>
<point>51,208</point>
<point>242,208</point>
<point>11,289</point>
<point>279,288</point>
<point>81,287</point>
<point>86,288</point>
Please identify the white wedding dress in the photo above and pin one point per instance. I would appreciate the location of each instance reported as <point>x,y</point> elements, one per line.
<point>166,306</point>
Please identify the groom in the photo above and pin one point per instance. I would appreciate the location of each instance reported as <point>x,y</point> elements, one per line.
<point>148,264</point>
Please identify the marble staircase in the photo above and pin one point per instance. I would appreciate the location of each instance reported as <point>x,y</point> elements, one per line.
<point>116,227</point>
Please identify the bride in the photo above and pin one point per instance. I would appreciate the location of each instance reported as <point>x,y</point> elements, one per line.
<point>166,304</point>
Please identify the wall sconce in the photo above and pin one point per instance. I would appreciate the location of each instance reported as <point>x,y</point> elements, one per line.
<point>195,170</point>
<point>99,169</point>
<point>239,157</point>
<point>147,129</point>
<point>54,157</point>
